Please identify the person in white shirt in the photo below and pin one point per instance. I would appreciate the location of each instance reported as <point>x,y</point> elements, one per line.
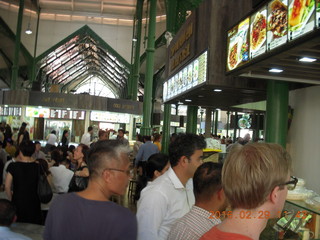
<point>51,141</point>
<point>209,206</point>
<point>86,137</point>
<point>61,176</point>
<point>170,196</point>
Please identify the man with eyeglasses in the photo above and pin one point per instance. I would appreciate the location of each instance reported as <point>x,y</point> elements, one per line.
<point>255,179</point>
<point>170,196</point>
<point>90,214</point>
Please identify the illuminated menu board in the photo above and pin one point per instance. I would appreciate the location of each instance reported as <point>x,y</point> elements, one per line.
<point>318,13</point>
<point>10,111</point>
<point>37,112</point>
<point>238,45</point>
<point>273,25</point>
<point>109,117</point>
<point>67,114</point>
<point>190,76</point>
<point>277,27</point>
<point>258,33</point>
<point>301,17</point>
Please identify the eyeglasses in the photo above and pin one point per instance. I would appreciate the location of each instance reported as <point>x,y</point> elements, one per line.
<point>291,185</point>
<point>128,172</point>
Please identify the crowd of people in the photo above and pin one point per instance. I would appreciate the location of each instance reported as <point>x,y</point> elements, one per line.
<point>178,196</point>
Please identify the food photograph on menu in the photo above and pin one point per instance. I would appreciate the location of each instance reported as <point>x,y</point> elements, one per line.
<point>301,17</point>
<point>238,45</point>
<point>258,33</point>
<point>277,23</point>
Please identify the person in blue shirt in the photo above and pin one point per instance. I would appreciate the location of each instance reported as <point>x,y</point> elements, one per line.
<point>145,151</point>
<point>7,217</point>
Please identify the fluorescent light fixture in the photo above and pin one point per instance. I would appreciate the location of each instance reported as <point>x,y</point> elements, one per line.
<point>188,100</point>
<point>40,107</point>
<point>180,103</point>
<point>218,109</point>
<point>68,109</point>
<point>275,70</point>
<point>134,39</point>
<point>217,90</point>
<point>307,59</point>
<point>5,105</point>
<point>200,96</point>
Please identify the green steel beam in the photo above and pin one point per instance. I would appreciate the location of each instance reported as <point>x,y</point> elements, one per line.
<point>7,60</point>
<point>136,65</point>
<point>161,40</point>
<point>216,122</point>
<point>34,63</point>
<point>147,101</point>
<point>228,124</point>
<point>192,117</point>
<point>166,129</point>
<point>277,112</point>
<point>235,127</point>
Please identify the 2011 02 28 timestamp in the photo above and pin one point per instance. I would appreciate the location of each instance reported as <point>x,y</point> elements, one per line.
<point>247,214</point>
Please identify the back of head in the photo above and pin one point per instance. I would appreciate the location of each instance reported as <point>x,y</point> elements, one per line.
<point>207,181</point>
<point>7,212</point>
<point>184,145</point>
<point>147,138</point>
<point>156,162</point>
<point>252,171</point>
<point>27,148</point>
<point>53,132</point>
<point>90,128</point>
<point>104,153</point>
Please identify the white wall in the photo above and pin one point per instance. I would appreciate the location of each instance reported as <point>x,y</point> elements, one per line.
<point>304,135</point>
<point>51,32</point>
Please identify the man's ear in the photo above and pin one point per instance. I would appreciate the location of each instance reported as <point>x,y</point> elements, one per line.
<point>274,195</point>
<point>106,175</point>
<point>183,161</point>
<point>220,194</point>
<point>156,173</point>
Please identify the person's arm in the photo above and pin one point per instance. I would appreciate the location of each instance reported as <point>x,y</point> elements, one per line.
<point>83,173</point>
<point>8,184</point>
<point>150,217</point>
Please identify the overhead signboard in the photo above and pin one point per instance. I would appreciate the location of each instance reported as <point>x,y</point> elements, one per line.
<point>277,27</point>
<point>301,17</point>
<point>258,33</point>
<point>67,114</point>
<point>192,75</point>
<point>10,111</point>
<point>37,112</point>
<point>109,117</point>
<point>273,25</point>
<point>238,45</point>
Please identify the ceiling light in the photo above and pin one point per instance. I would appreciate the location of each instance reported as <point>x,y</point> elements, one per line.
<point>68,109</point>
<point>218,109</point>
<point>188,100</point>
<point>180,103</point>
<point>275,70</point>
<point>28,31</point>
<point>307,59</point>
<point>134,40</point>
<point>200,96</point>
<point>5,105</point>
<point>217,90</point>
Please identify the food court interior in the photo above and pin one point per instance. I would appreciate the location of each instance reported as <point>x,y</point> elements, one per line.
<point>200,66</point>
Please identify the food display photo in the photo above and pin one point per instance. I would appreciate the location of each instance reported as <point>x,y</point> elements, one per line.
<point>238,45</point>
<point>277,23</point>
<point>301,17</point>
<point>258,30</point>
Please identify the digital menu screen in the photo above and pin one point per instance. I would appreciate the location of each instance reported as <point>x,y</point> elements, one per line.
<point>318,13</point>
<point>238,45</point>
<point>37,112</point>
<point>258,33</point>
<point>190,76</point>
<point>10,111</point>
<point>301,17</point>
<point>277,23</point>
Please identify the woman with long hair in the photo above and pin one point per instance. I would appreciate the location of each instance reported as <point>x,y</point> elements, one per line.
<point>64,139</point>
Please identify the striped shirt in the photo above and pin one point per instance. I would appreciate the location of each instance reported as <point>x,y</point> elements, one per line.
<point>193,225</point>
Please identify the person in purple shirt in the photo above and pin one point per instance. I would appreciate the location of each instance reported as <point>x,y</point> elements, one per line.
<point>90,214</point>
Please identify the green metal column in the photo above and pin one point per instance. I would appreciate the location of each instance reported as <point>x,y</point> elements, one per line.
<point>147,99</point>
<point>136,65</point>
<point>216,122</point>
<point>228,119</point>
<point>257,130</point>
<point>277,112</point>
<point>15,66</point>
<point>192,114</point>
<point>34,62</point>
<point>235,127</point>
<point>166,129</point>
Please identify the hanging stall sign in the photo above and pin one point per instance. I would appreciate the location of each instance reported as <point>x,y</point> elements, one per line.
<point>258,33</point>
<point>238,45</point>
<point>301,17</point>
<point>190,76</point>
<point>10,111</point>
<point>67,114</point>
<point>109,117</point>
<point>37,112</point>
<point>318,13</point>
<point>277,33</point>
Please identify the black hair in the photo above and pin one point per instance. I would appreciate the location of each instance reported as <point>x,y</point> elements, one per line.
<point>185,144</point>
<point>71,148</point>
<point>53,132</point>
<point>7,212</point>
<point>121,130</point>
<point>155,162</point>
<point>147,138</point>
<point>140,138</point>
<point>56,156</point>
<point>90,128</point>
<point>84,150</point>
<point>27,148</point>
<point>207,181</point>
<point>37,142</point>
<point>44,167</point>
